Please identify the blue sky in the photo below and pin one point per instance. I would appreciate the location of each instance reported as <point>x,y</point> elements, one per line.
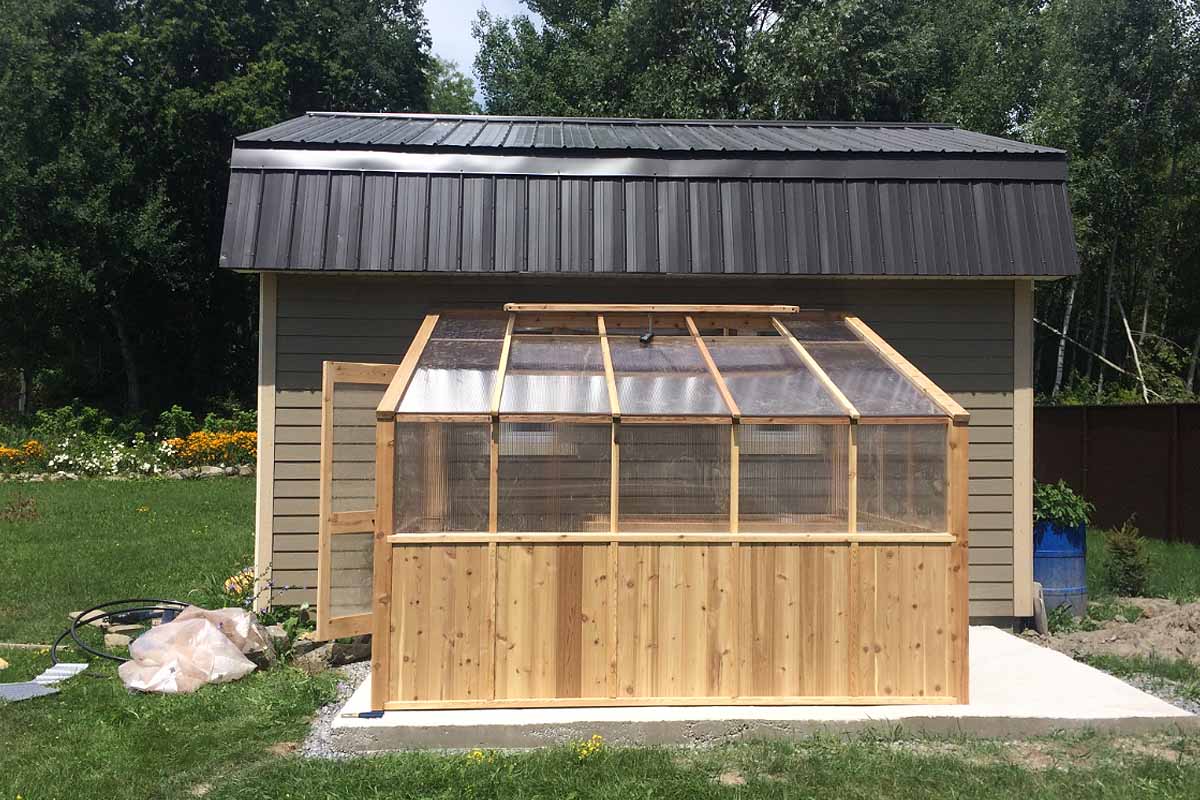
<point>450,27</point>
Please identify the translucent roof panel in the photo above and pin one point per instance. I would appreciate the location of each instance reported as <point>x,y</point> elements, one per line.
<point>667,376</point>
<point>461,327</point>
<point>555,375</point>
<point>819,330</point>
<point>767,378</point>
<point>869,382</point>
<point>454,376</point>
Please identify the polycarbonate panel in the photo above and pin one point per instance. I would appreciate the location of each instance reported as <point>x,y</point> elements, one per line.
<point>902,478</point>
<point>668,376</point>
<point>442,476</point>
<point>456,327</point>
<point>352,487</point>
<point>767,378</point>
<point>819,330</point>
<point>556,323</point>
<point>555,477</point>
<point>351,557</point>
<point>793,478</point>
<point>674,478</point>
<point>869,382</point>
<point>555,375</point>
<point>454,376</point>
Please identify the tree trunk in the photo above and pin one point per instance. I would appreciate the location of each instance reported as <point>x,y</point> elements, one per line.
<point>1191,378</point>
<point>23,391</point>
<point>1108,296</point>
<point>133,386</point>
<point>1137,361</point>
<point>1062,340</point>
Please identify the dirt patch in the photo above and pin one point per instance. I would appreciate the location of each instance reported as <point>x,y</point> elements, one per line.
<point>283,748</point>
<point>1165,630</point>
<point>19,509</point>
<point>731,778</point>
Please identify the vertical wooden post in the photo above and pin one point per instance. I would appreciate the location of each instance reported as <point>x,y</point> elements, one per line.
<point>735,456</point>
<point>852,478</point>
<point>264,473</point>
<point>957,471</point>
<point>381,609</point>
<point>1023,448</point>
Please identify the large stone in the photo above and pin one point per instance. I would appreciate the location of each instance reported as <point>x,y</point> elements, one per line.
<point>245,470</point>
<point>333,654</point>
<point>210,472</point>
<point>116,641</point>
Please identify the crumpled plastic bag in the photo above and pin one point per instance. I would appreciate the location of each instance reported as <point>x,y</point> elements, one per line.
<point>196,648</point>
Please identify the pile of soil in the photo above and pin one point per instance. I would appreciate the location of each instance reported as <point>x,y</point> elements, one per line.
<point>1165,629</point>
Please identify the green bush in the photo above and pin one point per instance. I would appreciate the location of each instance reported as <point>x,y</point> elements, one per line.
<point>175,423</point>
<point>1126,567</point>
<point>1058,503</point>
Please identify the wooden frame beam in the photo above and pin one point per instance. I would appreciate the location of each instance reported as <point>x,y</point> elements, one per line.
<point>734,411</point>
<point>395,391</point>
<point>660,537</point>
<point>812,364</point>
<point>902,365</point>
<point>658,308</point>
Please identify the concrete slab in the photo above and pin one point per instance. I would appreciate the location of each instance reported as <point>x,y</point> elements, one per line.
<point>1017,689</point>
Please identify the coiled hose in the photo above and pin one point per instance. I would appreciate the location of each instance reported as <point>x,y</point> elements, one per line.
<point>122,612</point>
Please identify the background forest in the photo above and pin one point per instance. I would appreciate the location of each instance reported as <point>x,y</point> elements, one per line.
<point>117,117</point>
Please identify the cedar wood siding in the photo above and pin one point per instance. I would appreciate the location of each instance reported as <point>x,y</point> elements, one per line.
<point>958,332</point>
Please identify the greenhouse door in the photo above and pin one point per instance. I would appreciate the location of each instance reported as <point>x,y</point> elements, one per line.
<point>350,393</point>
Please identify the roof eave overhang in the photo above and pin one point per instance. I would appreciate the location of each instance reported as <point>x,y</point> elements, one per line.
<point>622,164</point>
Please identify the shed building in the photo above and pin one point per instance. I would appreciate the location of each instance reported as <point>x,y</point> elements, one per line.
<point>360,226</point>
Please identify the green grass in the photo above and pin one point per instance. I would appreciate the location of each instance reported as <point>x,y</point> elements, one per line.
<point>90,543</point>
<point>1174,568</point>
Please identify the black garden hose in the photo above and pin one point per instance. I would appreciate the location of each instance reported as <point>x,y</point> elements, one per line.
<point>137,609</point>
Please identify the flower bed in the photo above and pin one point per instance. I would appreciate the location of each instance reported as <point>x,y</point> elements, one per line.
<point>75,442</point>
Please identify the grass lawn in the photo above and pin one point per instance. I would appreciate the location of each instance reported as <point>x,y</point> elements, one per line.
<point>93,541</point>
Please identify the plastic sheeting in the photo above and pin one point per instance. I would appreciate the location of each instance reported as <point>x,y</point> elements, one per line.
<point>198,647</point>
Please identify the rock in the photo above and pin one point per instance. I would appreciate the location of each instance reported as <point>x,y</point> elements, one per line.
<point>305,643</point>
<point>245,470</point>
<point>95,623</point>
<point>266,658</point>
<point>278,634</point>
<point>64,476</point>
<point>210,472</point>
<point>333,654</point>
<point>126,629</point>
<point>39,478</point>
<point>116,641</point>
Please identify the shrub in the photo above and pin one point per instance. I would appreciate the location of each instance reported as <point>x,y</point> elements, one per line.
<point>1058,503</point>
<point>175,423</point>
<point>1126,566</point>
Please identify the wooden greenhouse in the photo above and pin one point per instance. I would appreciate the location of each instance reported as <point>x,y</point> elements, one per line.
<point>584,505</point>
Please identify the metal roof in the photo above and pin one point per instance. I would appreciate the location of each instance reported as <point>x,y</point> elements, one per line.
<point>492,133</point>
<point>338,192</point>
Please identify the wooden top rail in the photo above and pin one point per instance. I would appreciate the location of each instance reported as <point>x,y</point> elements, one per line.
<point>660,537</point>
<point>660,308</point>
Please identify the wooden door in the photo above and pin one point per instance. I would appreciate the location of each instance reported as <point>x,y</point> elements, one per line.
<point>350,395</point>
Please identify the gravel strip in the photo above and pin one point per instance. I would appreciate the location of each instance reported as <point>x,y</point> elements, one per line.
<point>318,743</point>
<point>1164,689</point>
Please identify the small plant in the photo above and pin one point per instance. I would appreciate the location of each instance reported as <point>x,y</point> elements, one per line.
<point>1058,503</point>
<point>1061,619</point>
<point>1126,566</point>
<point>589,748</point>
<point>478,756</point>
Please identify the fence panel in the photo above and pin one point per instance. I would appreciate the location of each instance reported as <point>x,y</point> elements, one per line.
<point>1128,460</point>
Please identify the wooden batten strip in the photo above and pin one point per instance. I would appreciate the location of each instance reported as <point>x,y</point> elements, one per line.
<point>395,391</point>
<point>902,365</point>
<point>812,364</point>
<point>712,368</point>
<point>958,466</point>
<point>572,702</point>
<point>325,502</point>
<point>660,308</point>
<point>610,375</point>
<point>653,537</point>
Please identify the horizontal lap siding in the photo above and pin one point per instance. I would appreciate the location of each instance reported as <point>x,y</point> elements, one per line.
<point>958,332</point>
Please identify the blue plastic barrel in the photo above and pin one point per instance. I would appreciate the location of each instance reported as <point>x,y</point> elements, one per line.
<point>1060,565</point>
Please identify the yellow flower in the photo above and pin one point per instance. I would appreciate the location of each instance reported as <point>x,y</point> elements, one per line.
<point>143,509</point>
<point>589,747</point>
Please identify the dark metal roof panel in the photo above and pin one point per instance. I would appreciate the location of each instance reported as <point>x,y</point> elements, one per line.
<point>349,220</point>
<point>478,132</point>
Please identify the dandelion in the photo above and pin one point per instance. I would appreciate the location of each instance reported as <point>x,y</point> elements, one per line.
<point>143,509</point>
<point>240,583</point>
<point>478,756</point>
<point>589,747</point>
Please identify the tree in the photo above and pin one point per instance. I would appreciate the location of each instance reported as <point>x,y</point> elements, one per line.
<point>450,91</point>
<point>116,121</point>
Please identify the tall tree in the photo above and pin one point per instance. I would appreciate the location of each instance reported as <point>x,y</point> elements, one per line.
<point>450,90</point>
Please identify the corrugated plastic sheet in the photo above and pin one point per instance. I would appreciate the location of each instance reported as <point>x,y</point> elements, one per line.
<point>355,221</point>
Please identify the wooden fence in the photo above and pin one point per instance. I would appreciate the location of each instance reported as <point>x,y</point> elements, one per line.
<point>1141,461</point>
